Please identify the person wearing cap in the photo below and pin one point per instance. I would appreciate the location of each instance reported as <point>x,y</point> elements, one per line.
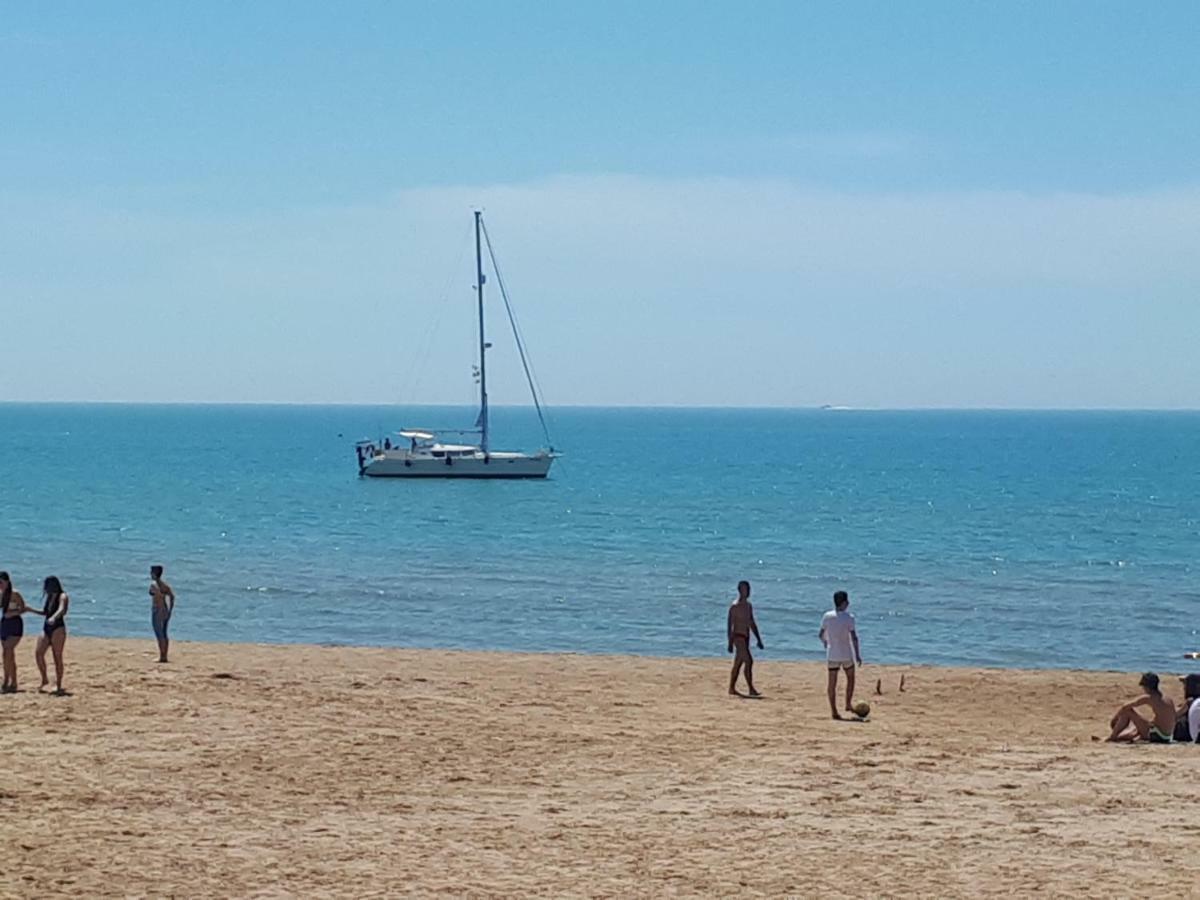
<point>1187,722</point>
<point>1158,729</point>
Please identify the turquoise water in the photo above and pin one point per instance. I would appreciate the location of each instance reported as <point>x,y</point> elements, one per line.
<point>996,538</point>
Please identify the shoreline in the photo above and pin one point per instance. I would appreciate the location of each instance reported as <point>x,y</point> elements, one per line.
<point>1186,663</point>
<point>281,769</point>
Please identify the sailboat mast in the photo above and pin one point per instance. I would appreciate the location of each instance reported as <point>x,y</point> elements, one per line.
<point>483,398</point>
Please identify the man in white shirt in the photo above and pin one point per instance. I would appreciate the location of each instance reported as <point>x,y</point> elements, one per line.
<point>841,648</point>
<point>1187,723</point>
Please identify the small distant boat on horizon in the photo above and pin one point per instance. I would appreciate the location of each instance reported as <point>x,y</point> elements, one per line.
<point>421,454</point>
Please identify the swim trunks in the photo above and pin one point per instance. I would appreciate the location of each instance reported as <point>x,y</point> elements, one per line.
<point>160,616</point>
<point>741,646</point>
<point>1157,737</point>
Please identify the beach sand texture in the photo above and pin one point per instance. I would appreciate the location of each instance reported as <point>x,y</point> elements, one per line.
<point>242,770</point>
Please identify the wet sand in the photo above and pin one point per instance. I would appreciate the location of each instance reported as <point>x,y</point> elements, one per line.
<point>242,770</point>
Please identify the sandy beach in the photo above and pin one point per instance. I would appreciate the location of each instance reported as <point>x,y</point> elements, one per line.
<point>241,770</point>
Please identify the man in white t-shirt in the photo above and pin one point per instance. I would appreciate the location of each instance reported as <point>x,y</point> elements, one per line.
<point>1187,723</point>
<point>841,648</point>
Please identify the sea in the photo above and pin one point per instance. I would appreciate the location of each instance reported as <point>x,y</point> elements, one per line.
<point>1022,539</point>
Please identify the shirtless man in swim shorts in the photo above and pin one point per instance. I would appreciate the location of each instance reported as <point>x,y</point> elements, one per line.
<point>162,604</point>
<point>1129,725</point>
<point>739,626</point>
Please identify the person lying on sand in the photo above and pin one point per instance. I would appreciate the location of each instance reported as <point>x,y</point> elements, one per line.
<point>739,625</point>
<point>1129,725</point>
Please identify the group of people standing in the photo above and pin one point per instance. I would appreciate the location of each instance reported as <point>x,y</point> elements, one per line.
<point>55,603</point>
<point>53,639</point>
<point>838,633</point>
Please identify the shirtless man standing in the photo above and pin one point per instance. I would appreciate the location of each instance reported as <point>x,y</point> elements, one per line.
<point>738,627</point>
<point>162,604</point>
<point>1157,729</point>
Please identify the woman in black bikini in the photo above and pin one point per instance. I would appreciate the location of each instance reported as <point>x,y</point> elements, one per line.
<point>54,632</point>
<point>12,626</point>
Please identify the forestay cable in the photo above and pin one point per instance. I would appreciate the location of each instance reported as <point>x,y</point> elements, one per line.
<point>512,320</point>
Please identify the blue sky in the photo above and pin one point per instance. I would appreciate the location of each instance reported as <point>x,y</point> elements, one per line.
<point>938,204</point>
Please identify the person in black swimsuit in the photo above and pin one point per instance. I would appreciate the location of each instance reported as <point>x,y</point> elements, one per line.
<point>12,627</point>
<point>54,631</point>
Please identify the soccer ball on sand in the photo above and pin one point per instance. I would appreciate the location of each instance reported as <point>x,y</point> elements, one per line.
<point>862,709</point>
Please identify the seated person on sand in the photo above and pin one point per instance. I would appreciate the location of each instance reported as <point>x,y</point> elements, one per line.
<point>1129,725</point>
<point>1187,723</point>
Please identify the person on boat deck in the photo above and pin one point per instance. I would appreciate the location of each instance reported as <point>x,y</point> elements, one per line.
<point>739,625</point>
<point>1187,720</point>
<point>1129,725</point>
<point>387,443</point>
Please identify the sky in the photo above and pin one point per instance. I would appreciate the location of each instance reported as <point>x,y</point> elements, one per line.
<point>712,204</point>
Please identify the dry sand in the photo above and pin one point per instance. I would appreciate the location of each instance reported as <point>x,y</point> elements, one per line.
<point>243,770</point>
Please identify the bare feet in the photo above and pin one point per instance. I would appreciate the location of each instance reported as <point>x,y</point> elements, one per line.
<point>837,716</point>
<point>733,693</point>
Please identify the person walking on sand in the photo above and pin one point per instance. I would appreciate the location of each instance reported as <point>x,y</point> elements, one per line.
<point>1129,725</point>
<point>54,632</point>
<point>162,605</point>
<point>739,625</point>
<point>12,627</point>
<point>841,649</point>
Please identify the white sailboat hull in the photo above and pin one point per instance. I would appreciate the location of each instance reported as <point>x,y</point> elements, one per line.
<point>406,464</point>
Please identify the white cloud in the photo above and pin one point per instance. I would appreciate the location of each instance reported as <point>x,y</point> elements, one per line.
<point>854,146</point>
<point>632,290</point>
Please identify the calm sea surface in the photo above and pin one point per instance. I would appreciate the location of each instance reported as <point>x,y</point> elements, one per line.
<point>997,538</point>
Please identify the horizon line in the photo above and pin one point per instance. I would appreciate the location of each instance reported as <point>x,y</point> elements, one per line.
<point>832,408</point>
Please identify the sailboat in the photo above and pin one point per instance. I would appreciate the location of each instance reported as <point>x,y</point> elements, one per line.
<point>420,453</point>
